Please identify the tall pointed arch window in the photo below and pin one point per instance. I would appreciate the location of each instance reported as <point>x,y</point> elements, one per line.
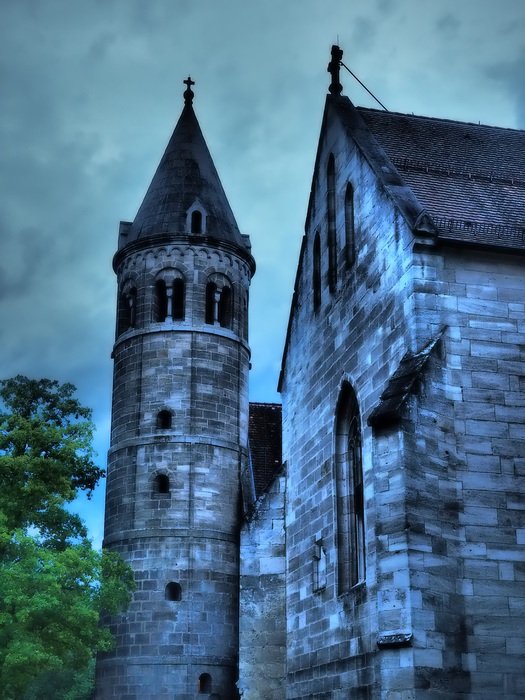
<point>316,271</point>
<point>331,236</point>
<point>349,493</point>
<point>349,225</point>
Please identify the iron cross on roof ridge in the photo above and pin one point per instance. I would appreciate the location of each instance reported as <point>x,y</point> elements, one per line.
<point>188,93</point>
<point>333,68</point>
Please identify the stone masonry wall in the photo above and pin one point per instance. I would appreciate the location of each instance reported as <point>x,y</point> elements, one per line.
<point>359,334</point>
<point>262,609</point>
<point>179,637</point>
<point>468,477</point>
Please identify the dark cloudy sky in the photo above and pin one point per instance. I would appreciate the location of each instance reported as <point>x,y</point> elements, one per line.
<point>91,90</point>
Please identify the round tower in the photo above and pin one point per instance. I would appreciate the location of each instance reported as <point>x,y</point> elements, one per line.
<point>179,431</point>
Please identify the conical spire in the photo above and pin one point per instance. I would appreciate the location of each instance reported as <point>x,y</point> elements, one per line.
<point>185,179</point>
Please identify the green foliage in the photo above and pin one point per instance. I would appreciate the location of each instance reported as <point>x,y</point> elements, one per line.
<point>53,585</point>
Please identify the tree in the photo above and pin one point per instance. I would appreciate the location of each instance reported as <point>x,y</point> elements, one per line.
<point>53,585</point>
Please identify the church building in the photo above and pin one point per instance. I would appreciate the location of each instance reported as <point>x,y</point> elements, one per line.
<point>375,548</point>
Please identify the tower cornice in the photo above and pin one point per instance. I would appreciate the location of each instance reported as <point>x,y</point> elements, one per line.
<point>161,239</point>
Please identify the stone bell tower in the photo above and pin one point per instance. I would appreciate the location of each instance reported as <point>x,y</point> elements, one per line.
<point>179,431</point>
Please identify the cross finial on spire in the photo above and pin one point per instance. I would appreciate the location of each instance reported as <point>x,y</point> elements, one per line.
<point>188,93</point>
<point>333,68</point>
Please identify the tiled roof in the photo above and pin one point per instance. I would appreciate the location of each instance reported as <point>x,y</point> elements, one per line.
<point>400,385</point>
<point>265,443</point>
<point>469,177</point>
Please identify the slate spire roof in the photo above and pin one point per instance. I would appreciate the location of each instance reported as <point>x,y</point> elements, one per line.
<point>186,176</point>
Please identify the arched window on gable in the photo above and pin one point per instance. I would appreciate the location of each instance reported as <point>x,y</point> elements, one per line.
<point>349,225</point>
<point>331,237</point>
<point>160,306</point>
<point>349,492</point>
<point>316,271</point>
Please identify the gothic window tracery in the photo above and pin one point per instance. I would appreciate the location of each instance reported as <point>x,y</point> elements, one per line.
<point>349,493</point>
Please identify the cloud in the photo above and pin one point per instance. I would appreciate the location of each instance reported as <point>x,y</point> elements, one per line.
<point>91,92</point>
<point>508,75</point>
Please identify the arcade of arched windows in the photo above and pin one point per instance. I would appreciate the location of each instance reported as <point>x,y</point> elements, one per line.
<point>223,305</point>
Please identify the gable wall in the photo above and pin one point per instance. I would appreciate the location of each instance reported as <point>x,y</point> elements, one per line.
<point>360,334</point>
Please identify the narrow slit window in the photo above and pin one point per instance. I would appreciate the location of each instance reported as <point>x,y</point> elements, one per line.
<point>211,302</point>
<point>173,592</point>
<point>349,225</point>
<point>161,301</point>
<point>225,308</point>
<point>205,683</point>
<point>316,272</point>
<point>178,300</point>
<point>196,221</point>
<point>161,484</point>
